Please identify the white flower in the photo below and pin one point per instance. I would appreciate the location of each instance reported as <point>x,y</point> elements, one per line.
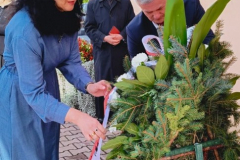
<point>121,77</point>
<point>125,76</point>
<point>141,57</point>
<point>115,95</point>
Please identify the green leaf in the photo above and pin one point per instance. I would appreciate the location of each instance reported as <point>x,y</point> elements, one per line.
<point>145,75</point>
<point>201,54</point>
<point>162,67</point>
<point>174,24</point>
<point>114,153</point>
<point>207,52</point>
<point>132,129</point>
<point>234,96</point>
<point>234,80</point>
<point>113,143</point>
<point>123,85</point>
<point>135,82</point>
<point>133,139</point>
<point>197,68</point>
<point>202,28</point>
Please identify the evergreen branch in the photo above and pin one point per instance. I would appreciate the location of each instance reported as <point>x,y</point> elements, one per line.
<point>219,26</point>
<point>121,157</point>
<point>162,85</point>
<point>162,122</point>
<point>179,45</point>
<point>145,132</point>
<point>126,63</point>
<point>179,95</point>
<point>209,87</point>
<point>173,138</point>
<point>232,60</point>
<point>179,52</point>
<point>122,102</point>
<point>145,110</point>
<point>186,77</point>
<point>128,119</point>
<point>188,67</point>
<point>181,99</point>
<point>126,111</point>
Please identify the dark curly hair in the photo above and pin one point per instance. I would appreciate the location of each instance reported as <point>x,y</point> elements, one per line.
<point>49,20</point>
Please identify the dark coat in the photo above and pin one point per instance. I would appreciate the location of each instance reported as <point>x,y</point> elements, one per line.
<point>141,26</point>
<point>100,18</point>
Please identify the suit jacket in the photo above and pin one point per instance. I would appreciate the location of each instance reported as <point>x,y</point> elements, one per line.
<point>100,18</point>
<point>141,26</point>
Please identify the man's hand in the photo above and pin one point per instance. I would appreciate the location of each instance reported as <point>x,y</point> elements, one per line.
<point>101,88</point>
<point>113,39</point>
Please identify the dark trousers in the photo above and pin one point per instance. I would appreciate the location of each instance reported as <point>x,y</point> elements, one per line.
<point>99,104</point>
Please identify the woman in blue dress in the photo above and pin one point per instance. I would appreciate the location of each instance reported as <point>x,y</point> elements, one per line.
<point>41,37</point>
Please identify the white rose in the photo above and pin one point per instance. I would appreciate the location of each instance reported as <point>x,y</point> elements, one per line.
<point>141,57</point>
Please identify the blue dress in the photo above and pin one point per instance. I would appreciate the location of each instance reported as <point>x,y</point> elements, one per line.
<point>30,109</point>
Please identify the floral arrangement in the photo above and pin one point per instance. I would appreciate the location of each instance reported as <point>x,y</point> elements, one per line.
<point>85,49</point>
<point>178,105</point>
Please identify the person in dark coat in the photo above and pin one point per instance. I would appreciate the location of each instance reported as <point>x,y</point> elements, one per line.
<point>152,15</point>
<point>108,49</point>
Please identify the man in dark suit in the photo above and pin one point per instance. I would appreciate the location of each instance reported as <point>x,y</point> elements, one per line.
<point>109,49</point>
<point>152,15</point>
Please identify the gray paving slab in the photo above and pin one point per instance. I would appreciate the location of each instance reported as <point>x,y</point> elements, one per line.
<point>73,145</point>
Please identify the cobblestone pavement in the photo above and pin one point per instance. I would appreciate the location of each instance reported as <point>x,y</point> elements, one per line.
<point>73,145</point>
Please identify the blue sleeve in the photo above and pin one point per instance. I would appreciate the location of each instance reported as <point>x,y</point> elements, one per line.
<point>32,85</point>
<point>72,69</point>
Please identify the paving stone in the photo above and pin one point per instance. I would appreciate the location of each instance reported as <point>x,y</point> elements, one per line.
<point>76,132</point>
<point>71,128</point>
<point>84,140</point>
<point>60,145</point>
<point>87,154</point>
<point>107,151</point>
<point>81,150</point>
<point>67,148</point>
<point>73,145</point>
<point>77,157</point>
<point>66,143</point>
<point>66,133</point>
<point>90,147</point>
<point>79,144</point>
<point>76,127</point>
<point>67,124</point>
<point>63,138</point>
<point>73,136</point>
<point>103,157</point>
<point>65,154</point>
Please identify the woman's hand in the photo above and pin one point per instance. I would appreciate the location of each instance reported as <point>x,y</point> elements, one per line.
<point>90,127</point>
<point>101,88</point>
